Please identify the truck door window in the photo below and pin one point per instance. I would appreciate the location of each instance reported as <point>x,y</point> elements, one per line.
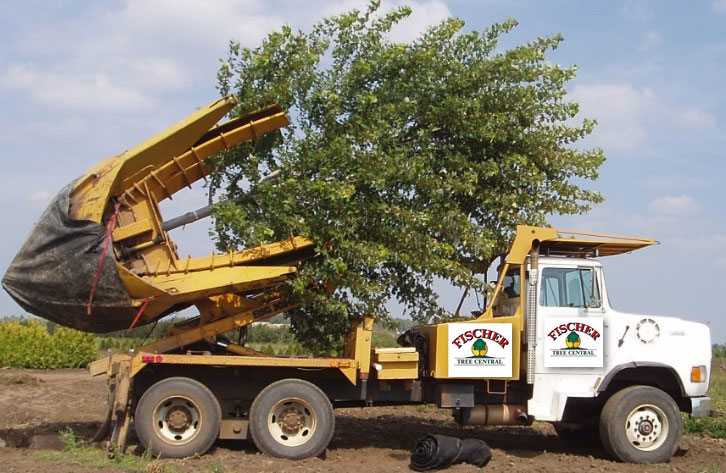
<point>508,301</point>
<point>550,296</point>
<point>511,285</point>
<point>590,289</point>
<point>569,287</point>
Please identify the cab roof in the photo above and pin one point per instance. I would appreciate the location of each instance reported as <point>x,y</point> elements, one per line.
<point>553,242</point>
<point>568,243</point>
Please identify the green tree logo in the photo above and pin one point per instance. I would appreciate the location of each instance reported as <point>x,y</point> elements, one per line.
<point>479,348</point>
<point>573,340</point>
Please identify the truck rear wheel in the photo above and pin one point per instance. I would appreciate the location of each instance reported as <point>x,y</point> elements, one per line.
<point>641,424</point>
<point>292,419</point>
<point>177,417</point>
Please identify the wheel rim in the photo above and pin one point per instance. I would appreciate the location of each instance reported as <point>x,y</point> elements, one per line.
<point>177,420</point>
<point>646,427</point>
<point>292,422</point>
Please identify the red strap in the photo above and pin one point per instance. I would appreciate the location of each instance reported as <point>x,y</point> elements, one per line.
<point>97,277</point>
<point>138,314</point>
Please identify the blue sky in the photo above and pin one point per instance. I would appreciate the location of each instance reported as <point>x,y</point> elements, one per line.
<point>82,80</point>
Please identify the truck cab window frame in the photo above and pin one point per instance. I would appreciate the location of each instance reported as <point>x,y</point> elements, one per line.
<point>570,287</point>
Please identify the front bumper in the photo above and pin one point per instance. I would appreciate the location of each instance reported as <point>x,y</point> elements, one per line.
<point>700,406</point>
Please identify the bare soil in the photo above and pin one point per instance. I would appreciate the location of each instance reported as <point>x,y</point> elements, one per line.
<point>36,405</point>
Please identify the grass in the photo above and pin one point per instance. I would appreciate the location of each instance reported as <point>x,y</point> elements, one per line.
<point>713,469</point>
<point>75,451</point>
<point>712,426</point>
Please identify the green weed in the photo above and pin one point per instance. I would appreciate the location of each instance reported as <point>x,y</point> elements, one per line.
<point>712,426</point>
<point>75,451</point>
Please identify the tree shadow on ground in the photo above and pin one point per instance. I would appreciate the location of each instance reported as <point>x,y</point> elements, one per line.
<point>400,432</point>
<point>23,436</point>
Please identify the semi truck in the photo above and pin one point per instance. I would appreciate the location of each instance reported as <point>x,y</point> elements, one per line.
<point>548,346</point>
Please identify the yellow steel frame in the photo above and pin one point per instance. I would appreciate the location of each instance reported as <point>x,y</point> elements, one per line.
<point>347,367</point>
<point>153,274</point>
<point>358,344</point>
<point>209,331</point>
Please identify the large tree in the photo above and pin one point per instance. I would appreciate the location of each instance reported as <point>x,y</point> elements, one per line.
<point>404,162</point>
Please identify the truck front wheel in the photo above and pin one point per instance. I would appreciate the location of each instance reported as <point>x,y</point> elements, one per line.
<point>292,419</point>
<point>177,417</point>
<point>641,424</point>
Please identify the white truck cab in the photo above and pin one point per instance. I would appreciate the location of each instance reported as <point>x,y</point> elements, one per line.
<point>573,360</point>
<point>674,352</point>
<point>631,373</point>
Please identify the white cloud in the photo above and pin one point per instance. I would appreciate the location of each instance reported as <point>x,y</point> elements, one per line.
<point>85,91</point>
<point>625,114</point>
<point>674,206</point>
<point>39,197</point>
<point>620,110</point>
<point>425,13</point>
<point>174,23</point>
<point>650,39</point>
<point>24,134</point>
<point>637,11</point>
<point>694,118</point>
<point>124,58</point>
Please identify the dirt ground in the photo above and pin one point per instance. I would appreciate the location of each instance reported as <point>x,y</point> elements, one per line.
<point>36,405</point>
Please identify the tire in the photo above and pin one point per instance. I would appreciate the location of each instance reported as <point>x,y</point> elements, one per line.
<point>292,419</point>
<point>641,424</point>
<point>178,417</point>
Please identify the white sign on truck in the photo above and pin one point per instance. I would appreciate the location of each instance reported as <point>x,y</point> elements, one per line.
<point>571,342</point>
<point>480,350</point>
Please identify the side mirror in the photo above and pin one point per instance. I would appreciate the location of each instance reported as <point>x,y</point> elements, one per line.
<point>594,303</point>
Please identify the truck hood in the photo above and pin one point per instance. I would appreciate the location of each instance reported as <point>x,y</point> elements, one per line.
<point>672,341</point>
<point>649,328</point>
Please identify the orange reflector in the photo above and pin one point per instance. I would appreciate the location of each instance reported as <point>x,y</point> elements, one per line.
<point>698,374</point>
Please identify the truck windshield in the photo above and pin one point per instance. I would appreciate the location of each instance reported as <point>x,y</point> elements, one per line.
<point>569,287</point>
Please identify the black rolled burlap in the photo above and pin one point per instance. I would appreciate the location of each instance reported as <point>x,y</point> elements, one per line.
<point>436,452</point>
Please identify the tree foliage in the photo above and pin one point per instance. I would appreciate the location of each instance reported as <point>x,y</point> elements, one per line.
<point>28,344</point>
<point>404,162</point>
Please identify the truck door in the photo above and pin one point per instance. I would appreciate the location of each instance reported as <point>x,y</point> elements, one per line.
<point>570,321</point>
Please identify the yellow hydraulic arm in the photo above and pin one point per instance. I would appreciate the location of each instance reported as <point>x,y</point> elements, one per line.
<point>123,193</point>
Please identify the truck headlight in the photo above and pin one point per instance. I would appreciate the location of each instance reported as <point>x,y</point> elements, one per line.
<point>698,374</point>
